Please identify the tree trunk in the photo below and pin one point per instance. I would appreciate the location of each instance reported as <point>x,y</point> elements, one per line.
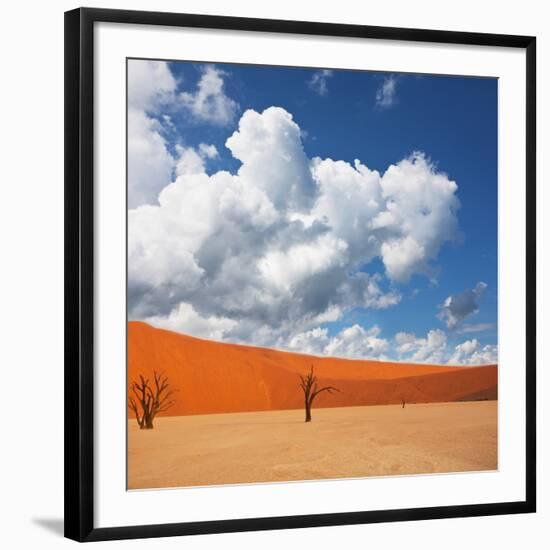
<point>147,423</point>
<point>308,412</point>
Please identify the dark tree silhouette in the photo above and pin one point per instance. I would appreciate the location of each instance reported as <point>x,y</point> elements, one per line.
<point>311,391</point>
<point>149,399</point>
<point>403,402</point>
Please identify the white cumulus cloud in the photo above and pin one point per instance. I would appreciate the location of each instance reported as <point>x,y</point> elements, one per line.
<point>150,86</point>
<point>192,161</point>
<point>353,342</point>
<point>269,146</point>
<point>152,94</point>
<point>420,215</point>
<point>435,348</point>
<point>471,352</point>
<point>208,151</point>
<point>313,341</point>
<point>429,349</point>
<point>269,253</point>
<point>358,342</point>
<point>150,165</point>
<point>486,355</point>
<point>286,268</point>
<point>209,101</point>
<point>185,319</point>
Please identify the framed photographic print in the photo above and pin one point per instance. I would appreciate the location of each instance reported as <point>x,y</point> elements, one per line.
<point>300,274</point>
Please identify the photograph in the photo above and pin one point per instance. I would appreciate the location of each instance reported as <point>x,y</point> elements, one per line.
<point>312,273</point>
<point>274,275</point>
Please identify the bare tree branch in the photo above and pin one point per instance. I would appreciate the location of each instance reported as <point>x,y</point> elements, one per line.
<point>329,389</point>
<point>151,399</point>
<point>311,390</point>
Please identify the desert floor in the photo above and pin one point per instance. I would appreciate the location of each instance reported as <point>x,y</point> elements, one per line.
<point>341,442</point>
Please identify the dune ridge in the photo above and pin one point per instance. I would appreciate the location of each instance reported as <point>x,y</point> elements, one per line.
<point>214,377</point>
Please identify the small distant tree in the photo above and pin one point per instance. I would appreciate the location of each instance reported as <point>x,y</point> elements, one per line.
<point>149,399</point>
<point>403,402</point>
<point>311,391</point>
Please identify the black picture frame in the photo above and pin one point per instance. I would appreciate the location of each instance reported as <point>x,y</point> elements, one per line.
<point>79,269</point>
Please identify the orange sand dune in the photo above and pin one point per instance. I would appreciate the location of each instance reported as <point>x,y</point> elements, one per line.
<point>213,377</point>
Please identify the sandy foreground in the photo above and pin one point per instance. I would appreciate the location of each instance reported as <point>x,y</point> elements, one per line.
<point>341,442</point>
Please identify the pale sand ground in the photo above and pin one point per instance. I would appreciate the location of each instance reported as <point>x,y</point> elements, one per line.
<point>340,442</point>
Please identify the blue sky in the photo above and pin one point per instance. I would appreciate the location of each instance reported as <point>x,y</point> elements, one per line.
<point>443,306</point>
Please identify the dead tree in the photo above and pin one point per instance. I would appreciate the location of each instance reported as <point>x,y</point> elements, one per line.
<point>403,402</point>
<point>148,400</point>
<point>311,391</point>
